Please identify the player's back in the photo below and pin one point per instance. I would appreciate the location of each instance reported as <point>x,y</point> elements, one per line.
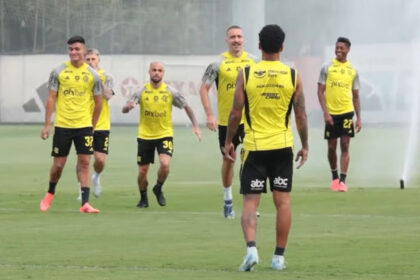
<point>269,88</point>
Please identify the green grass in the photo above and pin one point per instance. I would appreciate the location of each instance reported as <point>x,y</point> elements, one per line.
<point>371,232</point>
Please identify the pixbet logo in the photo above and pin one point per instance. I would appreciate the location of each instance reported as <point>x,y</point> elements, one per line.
<point>230,86</point>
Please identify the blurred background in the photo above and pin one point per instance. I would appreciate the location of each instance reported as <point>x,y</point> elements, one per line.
<point>187,35</point>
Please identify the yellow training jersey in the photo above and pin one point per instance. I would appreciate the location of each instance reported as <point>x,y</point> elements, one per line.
<point>75,88</point>
<point>340,79</point>
<point>156,110</point>
<point>224,73</point>
<point>104,121</point>
<point>269,89</point>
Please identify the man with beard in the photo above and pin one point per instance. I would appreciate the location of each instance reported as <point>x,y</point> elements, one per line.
<point>155,129</point>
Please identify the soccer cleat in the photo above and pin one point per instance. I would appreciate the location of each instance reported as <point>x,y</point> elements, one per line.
<point>334,185</point>
<point>143,203</point>
<point>250,259</point>
<point>46,202</point>
<point>96,184</point>
<point>342,187</point>
<point>159,195</point>
<point>277,262</point>
<point>228,211</point>
<point>87,208</point>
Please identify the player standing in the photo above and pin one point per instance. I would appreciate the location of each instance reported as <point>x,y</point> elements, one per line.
<point>224,73</point>
<point>72,86</point>
<point>268,91</point>
<point>338,95</point>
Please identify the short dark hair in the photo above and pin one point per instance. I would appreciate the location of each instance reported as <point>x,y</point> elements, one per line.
<point>271,38</point>
<point>76,39</point>
<point>344,40</point>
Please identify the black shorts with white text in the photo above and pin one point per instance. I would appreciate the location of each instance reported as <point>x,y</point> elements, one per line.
<point>258,166</point>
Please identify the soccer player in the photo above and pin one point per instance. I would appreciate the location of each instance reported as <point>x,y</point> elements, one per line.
<point>268,90</point>
<point>72,86</point>
<point>103,126</point>
<point>155,130</point>
<point>338,94</point>
<point>224,73</point>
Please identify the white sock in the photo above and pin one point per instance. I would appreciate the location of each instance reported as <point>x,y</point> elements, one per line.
<point>252,249</point>
<point>227,193</point>
<point>95,176</point>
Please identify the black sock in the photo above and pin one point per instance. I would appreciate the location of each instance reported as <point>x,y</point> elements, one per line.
<point>251,244</point>
<point>334,174</point>
<point>279,251</point>
<point>143,194</point>
<point>343,177</point>
<point>85,194</point>
<point>158,186</point>
<point>51,188</point>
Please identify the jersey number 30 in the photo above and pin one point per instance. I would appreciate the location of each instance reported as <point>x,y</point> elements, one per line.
<point>167,145</point>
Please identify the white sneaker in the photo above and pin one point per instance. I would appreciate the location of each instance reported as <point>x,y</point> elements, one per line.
<point>96,184</point>
<point>228,211</point>
<point>250,259</point>
<point>277,262</point>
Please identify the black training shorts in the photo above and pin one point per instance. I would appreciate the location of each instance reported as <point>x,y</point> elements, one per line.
<point>101,141</point>
<point>237,139</point>
<point>63,137</point>
<point>343,126</point>
<point>146,149</point>
<point>257,166</point>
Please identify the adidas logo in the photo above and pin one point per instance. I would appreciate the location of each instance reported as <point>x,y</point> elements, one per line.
<point>31,106</point>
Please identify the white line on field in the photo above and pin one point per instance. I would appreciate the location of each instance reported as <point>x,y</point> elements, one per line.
<point>107,268</point>
<point>12,209</point>
<point>195,182</point>
<point>261,270</point>
<point>215,213</point>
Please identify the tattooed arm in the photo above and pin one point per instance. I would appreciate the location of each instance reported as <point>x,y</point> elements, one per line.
<point>207,81</point>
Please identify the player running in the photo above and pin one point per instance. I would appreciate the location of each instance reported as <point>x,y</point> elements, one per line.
<point>103,127</point>
<point>155,129</point>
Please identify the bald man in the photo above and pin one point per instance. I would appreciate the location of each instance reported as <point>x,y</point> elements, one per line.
<point>155,130</point>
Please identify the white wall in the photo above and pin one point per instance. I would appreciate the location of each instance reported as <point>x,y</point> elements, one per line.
<point>386,72</point>
<point>21,76</point>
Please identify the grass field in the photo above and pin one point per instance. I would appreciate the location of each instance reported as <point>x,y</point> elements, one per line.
<point>371,232</point>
